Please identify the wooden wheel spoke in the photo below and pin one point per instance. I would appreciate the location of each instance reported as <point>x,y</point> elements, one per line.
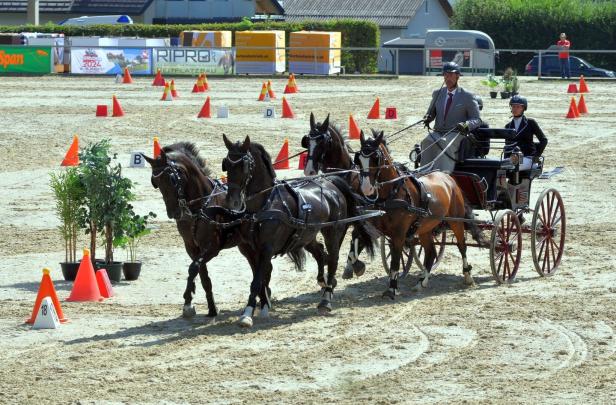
<point>554,215</point>
<point>545,257</point>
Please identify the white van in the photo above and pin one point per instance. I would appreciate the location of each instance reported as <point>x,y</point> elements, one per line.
<point>98,19</point>
<point>473,50</point>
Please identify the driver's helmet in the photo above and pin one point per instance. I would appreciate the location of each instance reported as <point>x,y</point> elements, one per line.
<point>519,100</point>
<point>451,67</point>
<point>479,101</point>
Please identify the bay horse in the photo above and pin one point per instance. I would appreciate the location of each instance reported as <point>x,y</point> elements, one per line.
<point>183,179</point>
<point>286,217</point>
<point>400,196</point>
<point>328,152</point>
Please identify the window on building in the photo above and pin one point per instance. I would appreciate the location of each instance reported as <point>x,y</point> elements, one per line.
<point>427,6</point>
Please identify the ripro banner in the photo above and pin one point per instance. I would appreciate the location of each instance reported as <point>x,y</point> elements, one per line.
<point>192,61</point>
<point>25,59</point>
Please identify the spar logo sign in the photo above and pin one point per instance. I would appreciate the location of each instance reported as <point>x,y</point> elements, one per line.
<point>25,59</point>
<point>7,59</point>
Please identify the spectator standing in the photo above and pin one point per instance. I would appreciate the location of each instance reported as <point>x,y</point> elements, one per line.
<point>563,56</point>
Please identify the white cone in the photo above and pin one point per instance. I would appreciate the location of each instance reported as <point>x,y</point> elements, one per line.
<point>46,318</point>
<point>119,78</point>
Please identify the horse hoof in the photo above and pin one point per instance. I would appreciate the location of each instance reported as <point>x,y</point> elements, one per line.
<point>359,268</point>
<point>212,313</point>
<point>468,281</point>
<point>264,313</point>
<point>188,311</point>
<point>245,321</point>
<point>324,308</point>
<point>389,294</point>
<point>348,272</point>
<point>418,287</point>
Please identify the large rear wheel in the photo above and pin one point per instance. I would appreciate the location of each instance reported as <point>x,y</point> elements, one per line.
<point>548,232</point>
<point>406,258</point>
<point>505,246</point>
<point>419,254</point>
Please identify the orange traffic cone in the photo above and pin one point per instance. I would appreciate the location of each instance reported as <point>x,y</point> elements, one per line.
<point>582,105</point>
<point>72,155</point>
<point>46,289</point>
<point>294,82</point>
<point>269,90</point>
<point>166,94</point>
<point>375,112</point>
<point>205,110</point>
<point>127,77</point>
<point>158,80</point>
<point>263,92</point>
<point>85,287</point>
<point>353,128</point>
<point>287,112</point>
<point>303,158</point>
<point>204,83</point>
<point>572,113</point>
<point>200,86</point>
<point>583,86</point>
<point>174,92</point>
<point>196,85</point>
<point>572,88</point>
<point>157,147</point>
<point>282,160</point>
<point>117,108</point>
<point>290,87</point>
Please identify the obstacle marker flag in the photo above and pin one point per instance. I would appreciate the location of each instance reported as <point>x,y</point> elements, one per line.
<point>269,113</point>
<point>72,155</point>
<point>46,289</point>
<point>101,110</point>
<point>391,113</point>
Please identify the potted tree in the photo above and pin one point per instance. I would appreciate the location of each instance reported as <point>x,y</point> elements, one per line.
<point>507,82</point>
<point>69,195</point>
<point>515,85</point>
<point>134,228</point>
<point>491,83</point>
<point>107,197</point>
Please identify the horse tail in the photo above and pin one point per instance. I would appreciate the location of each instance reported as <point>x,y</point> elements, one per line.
<point>472,226</point>
<point>366,238</point>
<point>298,257</point>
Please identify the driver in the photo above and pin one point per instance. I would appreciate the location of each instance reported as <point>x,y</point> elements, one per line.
<point>456,113</point>
<point>526,129</point>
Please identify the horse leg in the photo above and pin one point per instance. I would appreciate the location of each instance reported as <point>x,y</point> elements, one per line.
<point>458,231</point>
<point>333,240</point>
<point>317,250</point>
<point>397,244</point>
<point>188,311</point>
<point>207,286</point>
<point>427,243</point>
<point>353,264</point>
<point>265,293</point>
<point>263,268</point>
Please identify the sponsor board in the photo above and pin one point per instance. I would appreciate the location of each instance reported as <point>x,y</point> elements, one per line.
<point>25,59</point>
<point>192,61</point>
<point>111,61</point>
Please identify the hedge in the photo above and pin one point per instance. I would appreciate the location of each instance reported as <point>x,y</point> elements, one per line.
<point>355,33</point>
<point>536,24</point>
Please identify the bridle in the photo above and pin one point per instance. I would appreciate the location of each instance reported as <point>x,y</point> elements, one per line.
<point>327,140</point>
<point>177,181</point>
<point>248,164</point>
<point>365,171</point>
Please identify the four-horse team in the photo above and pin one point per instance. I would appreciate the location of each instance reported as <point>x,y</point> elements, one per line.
<point>412,212</point>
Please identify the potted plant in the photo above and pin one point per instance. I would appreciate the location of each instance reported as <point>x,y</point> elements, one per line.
<point>69,195</point>
<point>107,197</point>
<point>515,85</point>
<point>134,228</point>
<point>507,82</point>
<point>491,83</point>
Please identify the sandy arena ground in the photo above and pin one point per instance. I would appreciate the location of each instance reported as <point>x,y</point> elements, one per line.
<point>536,341</point>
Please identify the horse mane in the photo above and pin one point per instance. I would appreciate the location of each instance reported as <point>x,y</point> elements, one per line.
<point>265,157</point>
<point>335,129</point>
<point>192,152</point>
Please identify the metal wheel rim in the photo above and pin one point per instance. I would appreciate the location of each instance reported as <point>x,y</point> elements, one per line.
<point>418,251</point>
<point>549,223</point>
<point>405,258</point>
<point>506,231</point>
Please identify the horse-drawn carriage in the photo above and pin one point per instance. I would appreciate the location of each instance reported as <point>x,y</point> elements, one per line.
<point>499,188</point>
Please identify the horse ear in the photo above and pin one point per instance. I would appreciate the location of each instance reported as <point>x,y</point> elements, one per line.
<point>148,159</point>
<point>163,157</point>
<point>379,137</point>
<point>246,144</point>
<point>362,138</point>
<point>312,123</point>
<point>228,143</point>
<point>325,125</point>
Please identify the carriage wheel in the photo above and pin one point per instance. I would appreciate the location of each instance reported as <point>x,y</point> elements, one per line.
<point>505,246</point>
<point>418,251</point>
<point>406,258</point>
<point>548,232</point>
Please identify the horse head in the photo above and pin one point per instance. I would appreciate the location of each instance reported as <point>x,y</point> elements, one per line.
<point>318,141</point>
<point>179,176</point>
<point>369,159</point>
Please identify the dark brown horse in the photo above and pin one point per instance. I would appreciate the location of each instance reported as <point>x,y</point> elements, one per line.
<point>328,152</point>
<point>182,177</point>
<point>286,217</point>
<point>395,191</point>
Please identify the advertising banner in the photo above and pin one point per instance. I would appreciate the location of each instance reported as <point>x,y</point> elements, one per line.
<point>311,52</point>
<point>192,61</point>
<point>25,59</point>
<point>260,52</point>
<point>438,57</point>
<point>111,61</point>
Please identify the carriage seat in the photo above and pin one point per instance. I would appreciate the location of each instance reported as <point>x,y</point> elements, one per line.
<point>495,164</point>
